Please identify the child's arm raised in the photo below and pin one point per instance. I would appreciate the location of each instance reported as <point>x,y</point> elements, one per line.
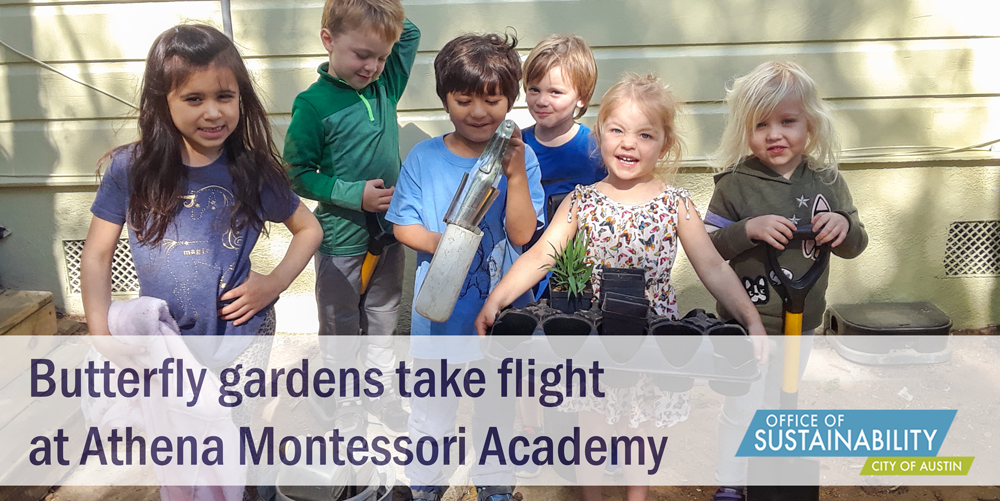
<point>258,290</point>
<point>397,67</point>
<point>718,277</point>
<point>521,217</point>
<point>95,287</point>
<point>528,269</point>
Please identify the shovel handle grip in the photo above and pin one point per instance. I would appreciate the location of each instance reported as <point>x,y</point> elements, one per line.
<point>794,292</point>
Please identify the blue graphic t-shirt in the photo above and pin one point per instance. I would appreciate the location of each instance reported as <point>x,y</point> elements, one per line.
<point>199,257</point>
<point>428,180</point>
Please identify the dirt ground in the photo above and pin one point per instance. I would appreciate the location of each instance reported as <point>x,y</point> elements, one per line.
<point>706,402</point>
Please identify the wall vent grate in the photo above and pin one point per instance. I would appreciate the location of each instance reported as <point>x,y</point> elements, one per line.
<point>973,248</point>
<point>124,279</point>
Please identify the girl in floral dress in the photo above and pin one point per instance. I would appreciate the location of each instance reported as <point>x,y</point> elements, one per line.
<point>633,219</point>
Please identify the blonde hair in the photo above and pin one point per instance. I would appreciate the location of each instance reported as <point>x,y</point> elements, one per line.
<point>574,56</point>
<point>755,95</point>
<point>384,16</point>
<point>649,94</point>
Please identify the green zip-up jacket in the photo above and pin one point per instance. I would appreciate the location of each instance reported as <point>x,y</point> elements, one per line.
<point>752,189</point>
<point>340,137</point>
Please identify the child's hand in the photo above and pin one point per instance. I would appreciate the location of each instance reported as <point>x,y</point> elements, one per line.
<point>376,196</point>
<point>830,227</point>
<point>774,230</point>
<point>251,296</point>
<point>117,352</point>
<point>486,318</point>
<point>513,156</point>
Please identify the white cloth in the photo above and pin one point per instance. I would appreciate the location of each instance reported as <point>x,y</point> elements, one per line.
<point>146,322</point>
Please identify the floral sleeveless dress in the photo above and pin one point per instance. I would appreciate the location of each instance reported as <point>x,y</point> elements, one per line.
<point>634,236</point>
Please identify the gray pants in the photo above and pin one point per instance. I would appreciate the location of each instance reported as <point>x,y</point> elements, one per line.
<point>345,313</point>
<point>737,412</point>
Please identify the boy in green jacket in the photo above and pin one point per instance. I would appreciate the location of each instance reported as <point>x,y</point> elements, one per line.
<point>342,150</point>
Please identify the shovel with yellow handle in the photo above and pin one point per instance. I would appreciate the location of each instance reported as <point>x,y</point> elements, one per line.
<point>793,295</point>
<point>378,240</point>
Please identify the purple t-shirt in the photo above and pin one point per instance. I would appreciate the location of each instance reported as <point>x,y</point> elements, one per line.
<point>199,257</point>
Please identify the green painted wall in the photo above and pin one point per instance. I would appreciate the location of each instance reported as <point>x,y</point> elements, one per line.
<point>900,75</point>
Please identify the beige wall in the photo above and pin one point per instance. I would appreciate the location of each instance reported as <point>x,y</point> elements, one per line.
<point>907,73</point>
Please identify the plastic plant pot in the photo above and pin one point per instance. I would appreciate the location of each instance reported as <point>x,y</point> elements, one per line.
<point>566,333</point>
<point>513,326</point>
<point>564,302</point>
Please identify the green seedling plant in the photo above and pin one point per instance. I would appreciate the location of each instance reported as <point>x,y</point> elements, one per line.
<point>570,272</point>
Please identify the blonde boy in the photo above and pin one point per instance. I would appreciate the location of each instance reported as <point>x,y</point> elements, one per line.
<point>342,150</point>
<point>559,79</point>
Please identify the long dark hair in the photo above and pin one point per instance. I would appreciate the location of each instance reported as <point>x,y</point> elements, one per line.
<point>157,176</point>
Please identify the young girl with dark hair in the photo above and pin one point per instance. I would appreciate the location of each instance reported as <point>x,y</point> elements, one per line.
<point>195,190</point>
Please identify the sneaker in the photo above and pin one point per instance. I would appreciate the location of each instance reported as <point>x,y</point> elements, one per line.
<point>529,469</point>
<point>497,493</point>
<point>612,469</point>
<point>350,419</point>
<point>426,493</point>
<point>389,413</point>
<point>729,494</point>
<point>401,493</point>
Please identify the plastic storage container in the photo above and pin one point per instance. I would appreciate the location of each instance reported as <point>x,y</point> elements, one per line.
<point>920,326</point>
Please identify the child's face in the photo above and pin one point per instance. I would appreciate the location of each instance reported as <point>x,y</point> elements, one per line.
<point>476,117</point>
<point>356,56</point>
<point>553,100</point>
<point>779,140</point>
<point>206,110</point>
<point>631,145</point>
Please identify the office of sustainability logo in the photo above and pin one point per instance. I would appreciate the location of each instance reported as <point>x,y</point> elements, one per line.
<point>896,442</point>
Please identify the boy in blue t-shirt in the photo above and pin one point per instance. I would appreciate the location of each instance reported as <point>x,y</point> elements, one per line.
<point>560,75</point>
<point>477,80</point>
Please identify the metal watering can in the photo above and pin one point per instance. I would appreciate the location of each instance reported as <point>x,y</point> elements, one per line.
<point>457,248</point>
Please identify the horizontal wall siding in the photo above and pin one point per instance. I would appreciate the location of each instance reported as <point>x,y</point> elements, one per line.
<point>67,151</point>
<point>938,92</point>
<point>292,27</point>
<point>842,70</point>
<point>84,32</point>
<point>903,73</point>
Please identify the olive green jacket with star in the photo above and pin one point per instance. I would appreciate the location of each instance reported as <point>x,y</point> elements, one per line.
<point>340,137</point>
<point>752,189</point>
